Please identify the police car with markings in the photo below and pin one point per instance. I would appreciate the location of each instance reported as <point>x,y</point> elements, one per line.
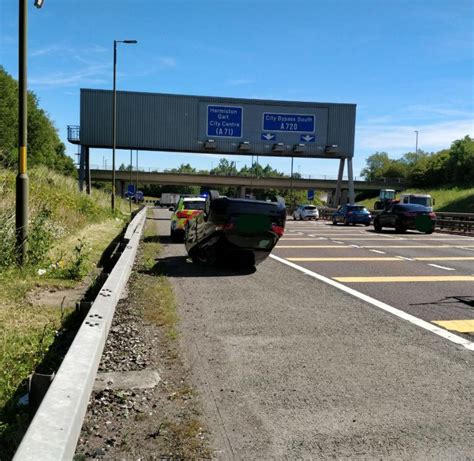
<point>186,209</point>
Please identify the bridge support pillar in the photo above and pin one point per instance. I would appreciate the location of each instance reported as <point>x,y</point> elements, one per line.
<point>242,191</point>
<point>119,187</point>
<point>88,170</point>
<point>337,195</point>
<point>350,177</point>
<point>82,167</point>
<point>344,194</point>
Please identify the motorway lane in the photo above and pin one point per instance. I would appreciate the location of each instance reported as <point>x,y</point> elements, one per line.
<point>289,367</point>
<point>428,276</point>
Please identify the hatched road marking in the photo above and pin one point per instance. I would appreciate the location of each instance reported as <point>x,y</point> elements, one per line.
<point>381,305</point>
<point>378,251</point>
<point>388,258</point>
<point>462,326</point>
<point>442,267</point>
<point>404,279</point>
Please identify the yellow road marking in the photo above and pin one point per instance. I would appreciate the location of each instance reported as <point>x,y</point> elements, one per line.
<point>402,278</point>
<point>418,246</point>
<point>346,259</point>
<point>463,326</point>
<point>313,246</point>
<point>446,258</point>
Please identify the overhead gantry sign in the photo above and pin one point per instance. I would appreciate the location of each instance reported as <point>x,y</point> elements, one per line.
<point>202,124</point>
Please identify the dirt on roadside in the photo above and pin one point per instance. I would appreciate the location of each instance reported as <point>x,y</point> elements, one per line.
<point>144,421</point>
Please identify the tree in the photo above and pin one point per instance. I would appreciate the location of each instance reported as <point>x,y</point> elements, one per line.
<point>44,145</point>
<point>377,164</point>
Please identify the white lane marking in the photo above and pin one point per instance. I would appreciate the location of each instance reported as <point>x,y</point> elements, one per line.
<point>311,235</point>
<point>337,241</point>
<point>386,307</point>
<point>322,238</point>
<point>378,251</point>
<point>442,267</point>
<point>404,257</point>
<point>356,246</point>
<point>468,249</point>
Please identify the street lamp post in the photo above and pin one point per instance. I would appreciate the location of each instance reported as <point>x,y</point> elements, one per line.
<point>114,117</point>
<point>416,142</point>
<point>21,205</point>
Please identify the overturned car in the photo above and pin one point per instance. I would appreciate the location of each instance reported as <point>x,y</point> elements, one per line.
<point>234,231</point>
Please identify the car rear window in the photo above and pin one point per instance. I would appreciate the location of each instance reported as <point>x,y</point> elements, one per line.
<point>310,207</point>
<point>357,208</point>
<point>197,205</point>
<point>410,207</point>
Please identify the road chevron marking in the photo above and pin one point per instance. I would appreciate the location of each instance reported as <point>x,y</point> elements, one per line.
<point>462,326</point>
<point>442,267</point>
<point>407,279</point>
<point>381,305</point>
<point>387,258</point>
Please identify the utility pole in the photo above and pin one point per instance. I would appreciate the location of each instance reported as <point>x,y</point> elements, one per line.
<point>416,142</point>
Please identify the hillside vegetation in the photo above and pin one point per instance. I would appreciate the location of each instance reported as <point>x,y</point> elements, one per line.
<point>447,199</point>
<point>68,232</point>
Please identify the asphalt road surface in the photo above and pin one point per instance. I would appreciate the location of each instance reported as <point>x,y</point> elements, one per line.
<point>288,365</point>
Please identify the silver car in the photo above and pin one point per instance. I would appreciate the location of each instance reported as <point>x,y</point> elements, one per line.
<point>306,212</point>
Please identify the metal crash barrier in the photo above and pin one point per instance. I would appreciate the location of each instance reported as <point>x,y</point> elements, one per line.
<point>55,428</point>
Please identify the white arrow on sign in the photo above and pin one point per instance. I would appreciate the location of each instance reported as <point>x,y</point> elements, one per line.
<point>307,138</point>
<point>268,136</point>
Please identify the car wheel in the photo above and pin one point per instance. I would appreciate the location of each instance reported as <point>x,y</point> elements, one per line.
<point>399,228</point>
<point>334,221</point>
<point>367,224</point>
<point>377,226</point>
<point>294,217</point>
<point>346,222</point>
<point>430,231</point>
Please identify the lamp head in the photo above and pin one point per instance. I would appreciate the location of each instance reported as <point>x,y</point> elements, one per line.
<point>39,3</point>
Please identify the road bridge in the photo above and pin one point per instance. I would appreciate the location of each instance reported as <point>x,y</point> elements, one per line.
<point>242,182</point>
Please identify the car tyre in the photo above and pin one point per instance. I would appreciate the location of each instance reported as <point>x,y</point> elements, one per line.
<point>346,222</point>
<point>377,226</point>
<point>399,228</point>
<point>334,221</point>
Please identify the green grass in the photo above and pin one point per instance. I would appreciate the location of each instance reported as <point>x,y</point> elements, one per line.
<point>68,233</point>
<point>447,199</point>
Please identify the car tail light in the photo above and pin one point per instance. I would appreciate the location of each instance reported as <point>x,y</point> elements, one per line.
<point>409,214</point>
<point>278,230</point>
<point>432,215</point>
<point>181,214</point>
<point>227,226</point>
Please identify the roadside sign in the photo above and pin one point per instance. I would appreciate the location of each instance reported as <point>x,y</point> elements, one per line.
<point>131,188</point>
<point>295,123</point>
<point>311,194</point>
<point>224,121</point>
<point>268,136</point>
<point>307,138</point>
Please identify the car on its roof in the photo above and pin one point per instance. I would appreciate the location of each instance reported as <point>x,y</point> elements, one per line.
<point>352,214</point>
<point>238,232</point>
<point>187,207</point>
<point>306,211</point>
<point>402,216</point>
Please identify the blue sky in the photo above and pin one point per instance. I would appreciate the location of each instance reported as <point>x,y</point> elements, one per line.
<point>407,64</point>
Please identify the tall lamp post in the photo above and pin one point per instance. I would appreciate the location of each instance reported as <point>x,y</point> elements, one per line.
<point>21,212</point>
<point>416,142</point>
<point>114,117</point>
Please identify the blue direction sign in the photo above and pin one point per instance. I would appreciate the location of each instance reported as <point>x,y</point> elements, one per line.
<point>307,138</point>
<point>311,194</point>
<point>268,136</point>
<point>224,121</point>
<point>294,123</point>
<point>131,188</point>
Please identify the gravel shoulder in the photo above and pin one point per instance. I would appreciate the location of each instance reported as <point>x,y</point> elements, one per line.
<point>143,406</point>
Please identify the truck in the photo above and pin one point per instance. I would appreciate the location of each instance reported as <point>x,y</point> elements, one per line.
<point>169,200</point>
<point>418,199</point>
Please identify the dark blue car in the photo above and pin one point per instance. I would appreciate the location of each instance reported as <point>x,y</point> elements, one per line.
<point>352,214</point>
